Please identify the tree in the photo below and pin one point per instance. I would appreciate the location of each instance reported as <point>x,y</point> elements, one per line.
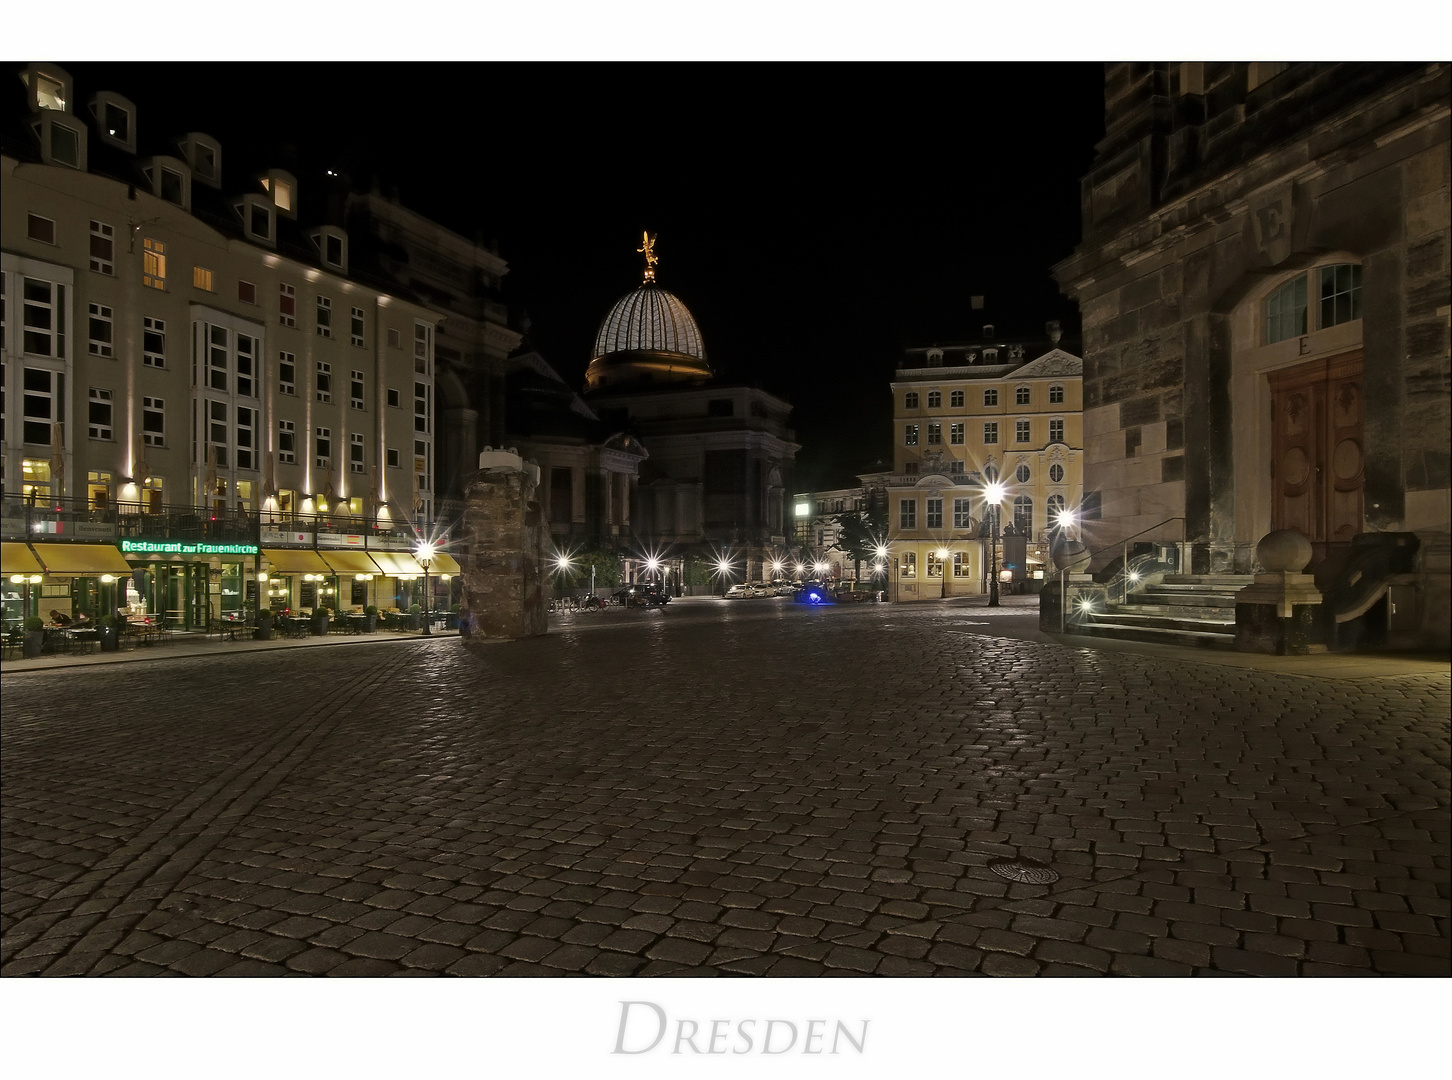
<point>861,531</point>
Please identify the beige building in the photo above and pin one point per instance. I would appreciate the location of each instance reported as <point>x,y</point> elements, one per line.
<point>188,358</point>
<point>965,416</point>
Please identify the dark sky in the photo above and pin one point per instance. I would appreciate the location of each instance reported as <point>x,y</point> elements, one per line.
<point>815,217</point>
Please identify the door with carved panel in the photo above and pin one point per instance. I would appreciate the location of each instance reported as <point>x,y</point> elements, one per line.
<point>1319,460</point>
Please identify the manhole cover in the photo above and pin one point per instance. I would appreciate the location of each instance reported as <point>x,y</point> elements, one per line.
<point>1026,871</point>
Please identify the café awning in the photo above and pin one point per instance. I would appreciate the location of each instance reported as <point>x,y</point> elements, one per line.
<point>81,559</point>
<point>349,562</point>
<point>443,563</point>
<point>18,559</point>
<point>397,564</point>
<point>296,561</point>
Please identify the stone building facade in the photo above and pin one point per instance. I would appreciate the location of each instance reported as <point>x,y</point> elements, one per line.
<point>1264,286</point>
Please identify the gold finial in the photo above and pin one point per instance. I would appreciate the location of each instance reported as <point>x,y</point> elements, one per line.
<point>648,247</point>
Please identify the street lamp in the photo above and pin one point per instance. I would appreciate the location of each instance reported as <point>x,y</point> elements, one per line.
<point>723,568</point>
<point>424,553</point>
<point>993,493</point>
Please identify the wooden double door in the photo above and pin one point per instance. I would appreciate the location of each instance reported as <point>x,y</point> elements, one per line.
<point>1318,466</point>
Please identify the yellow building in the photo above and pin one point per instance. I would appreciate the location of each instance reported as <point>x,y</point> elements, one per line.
<point>963,417</point>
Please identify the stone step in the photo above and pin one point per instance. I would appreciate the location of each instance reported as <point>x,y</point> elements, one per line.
<point>1221,581</point>
<point>1199,638</point>
<point>1188,600</point>
<point>1192,624</point>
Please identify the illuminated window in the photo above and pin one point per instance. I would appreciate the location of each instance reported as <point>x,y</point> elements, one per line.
<point>990,433</point>
<point>910,564</point>
<point>990,396</point>
<point>907,514</point>
<point>1056,395</point>
<point>153,342</point>
<point>102,330</point>
<point>934,565</point>
<point>202,279</point>
<point>286,373</point>
<point>282,195</point>
<point>98,489</point>
<point>955,399</point>
<point>910,400</point>
<point>40,229</point>
<point>934,515</point>
<point>286,442</point>
<point>325,317</point>
<point>910,435</point>
<point>1056,431</point>
<point>153,421</point>
<point>286,305</point>
<point>960,565</point>
<point>103,248</point>
<point>153,264</point>
<point>955,434</point>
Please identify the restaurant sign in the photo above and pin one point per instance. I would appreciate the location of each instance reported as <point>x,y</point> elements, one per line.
<point>184,547</point>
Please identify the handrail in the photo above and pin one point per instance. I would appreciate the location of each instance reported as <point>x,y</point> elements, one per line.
<point>1125,573</point>
<point>1125,540</point>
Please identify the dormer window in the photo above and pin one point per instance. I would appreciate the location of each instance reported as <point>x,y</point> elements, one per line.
<point>332,245</point>
<point>62,139</point>
<point>170,179</point>
<point>49,88</point>
<point>204,155</point>
<point>117,119</point>
<point>935,358</point>
<point>258,220</point>
<point>282,187</point>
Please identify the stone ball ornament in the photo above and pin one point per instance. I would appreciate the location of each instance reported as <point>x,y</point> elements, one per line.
<point>1284,551</point>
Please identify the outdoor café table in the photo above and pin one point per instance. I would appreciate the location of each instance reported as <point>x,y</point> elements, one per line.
<point>83,640</point>
<point>357,623</point>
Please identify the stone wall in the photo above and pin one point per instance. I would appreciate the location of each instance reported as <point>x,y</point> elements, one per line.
<point>504,559</point>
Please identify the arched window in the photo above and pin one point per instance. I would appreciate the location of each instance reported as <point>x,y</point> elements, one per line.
<point>1056,506</point>
<point>1023,474</point>
<point>1285,311</point>
<point>1023,514</point>
<point>1338,292</point>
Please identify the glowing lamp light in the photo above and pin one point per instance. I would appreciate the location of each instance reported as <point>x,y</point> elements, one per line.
<point>943,554</point>
<point>262,576</point>
<point>993,492</point>
<point>562,562</point>
<point>776,567</point>
<point>652,565</point>
<point>1066,519</point>
<point>881,551</point>
<point>107,579</point>
<point>820,568</point>
<point>35,579</point>
<point>17,579</point>
<point>799,568</point>
<point>723,566</point>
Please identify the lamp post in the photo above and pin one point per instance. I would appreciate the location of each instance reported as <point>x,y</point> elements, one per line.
<point>994,494</point>
<point>424,553</point>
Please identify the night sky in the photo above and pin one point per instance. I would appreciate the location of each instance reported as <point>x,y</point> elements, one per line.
<point>815,217</point>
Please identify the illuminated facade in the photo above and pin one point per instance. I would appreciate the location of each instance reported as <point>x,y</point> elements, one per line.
<point>965,416</point>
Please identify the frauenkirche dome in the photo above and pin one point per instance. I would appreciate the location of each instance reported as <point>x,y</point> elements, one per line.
<point>648,337</point>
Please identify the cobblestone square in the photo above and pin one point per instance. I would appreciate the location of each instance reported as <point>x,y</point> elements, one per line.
<point>746,788</point>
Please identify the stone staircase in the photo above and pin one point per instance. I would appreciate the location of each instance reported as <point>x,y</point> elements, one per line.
<point>1181,609</point>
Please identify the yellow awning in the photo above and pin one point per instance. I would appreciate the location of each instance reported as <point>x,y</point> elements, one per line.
<point>443,563</point>
<point>296,561</point>
<point>18,559</point>
<point>82,559</point>
<point>397,564</point>
<point>349,562</point>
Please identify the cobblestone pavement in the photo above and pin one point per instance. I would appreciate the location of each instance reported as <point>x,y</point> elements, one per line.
<point>726,788</point>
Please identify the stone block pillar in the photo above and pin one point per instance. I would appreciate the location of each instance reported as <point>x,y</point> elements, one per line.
<point>1277,614</point>
<point>505,536</point>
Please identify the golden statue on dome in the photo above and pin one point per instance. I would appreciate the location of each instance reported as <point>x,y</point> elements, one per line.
<point>648,248</point>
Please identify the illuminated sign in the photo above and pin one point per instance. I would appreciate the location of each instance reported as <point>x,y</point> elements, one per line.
<point>184,547</point>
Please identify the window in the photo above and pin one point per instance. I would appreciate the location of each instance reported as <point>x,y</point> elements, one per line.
<point>907,514</point>
<point>960,565</point>
<point>393,457</point>
<point>355,390</point>
<point>102,329</point>
<point>173,186</point>
<point>325,317</point>
<point>103,248</point>
<point>324,446</point>
<point>287,442</point>
<point>1056,431</point>
<point>202,279</point>
<point>910,564</point>
<point>935,399</point>
<point>43,318</point>
<point>955,434</point>
<point>247,292</point>
<point>1056,473</point>
<point>393,400</point>
<point>910,435</point>
<point>955,399</point>
<point>218,358</point>
<point>42,394</point>
<point>153,421</point>
<point>216,431</point>
<point>1023,514</point>
<point>1056,395</point>
<point>423,351</point>
<point>1021,431</point>
<point>324,376</point>
<point>910,400</point>
<point>39,229</point>
<point>1023,474</point>
<point>990,433</point>
<point>1021,395</point>
<point>990,396</point>
<point>115,120</point>
<point>246,438</point>
<point>1285,311</point>
<point>1340,294</point>
<point>286,305</point>
<point>935,434</point>
<point>61,144</point>
<point>1056,507</point>
<point>153,264</point>
<point>934,565</point>
<point>934,515</point>
<point>394,340</point>
<point>355,327</point>
<point>286,373</point>
<point>421,408</point>
<point>247,364</point>
<point>911,468</point>
<point>355,452</point>
<point>98,489</point>
<point>955,467</point>
<point>153,342</point>
<point>259,221</point>
<point>962,513</point>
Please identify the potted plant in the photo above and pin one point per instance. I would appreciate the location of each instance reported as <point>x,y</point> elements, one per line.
<point>111,627</point>
<point>414,618</point>
<point>264,625</point>
<point>34,642</point>
<point>371,614</point>
<point>320,618</point>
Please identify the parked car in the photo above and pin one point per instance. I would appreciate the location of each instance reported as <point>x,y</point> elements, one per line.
<point>642,595</point>
<point>856,592</point>
<point>743,591</point>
